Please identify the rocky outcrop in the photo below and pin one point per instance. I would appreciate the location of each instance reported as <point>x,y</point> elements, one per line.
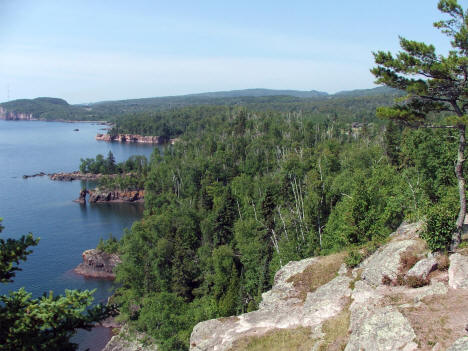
<point>460,345</point>
<point>98,264</point>
<point>40,174</point>
<point>382,329</point>
<point>281,308</point>
<point>98,195</point>
<point>423,268</point>
<point>126,341</point>
<point>385,262</point>
<point>15,116</point>
<point>70,176</point>
<point>354,310</point>
<point>133,138</point>
<point>82,198</point>
<point>458,271</point>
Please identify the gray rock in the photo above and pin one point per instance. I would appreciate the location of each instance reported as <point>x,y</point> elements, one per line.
<point>458,271</point>
<point>343,269</point>
<point>327,301</point>
<point>459,345</point>
<point>437,288</point>
<point>408,230</point>
<point>423,267</point>
<point>283,292</point>
<point>386,261</point>
<point>385,329</point>
<point>126,342</point>
<point>275,313</point>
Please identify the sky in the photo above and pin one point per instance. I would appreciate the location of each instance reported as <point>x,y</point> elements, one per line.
<point>95,50</point>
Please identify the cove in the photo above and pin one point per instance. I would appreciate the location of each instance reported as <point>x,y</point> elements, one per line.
<point>46,209</point>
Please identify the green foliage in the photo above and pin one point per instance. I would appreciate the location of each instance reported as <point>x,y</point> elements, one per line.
<point>136,163</point>
<point>245,191</point>
<point>440,227</point>
<point>110,245</point>
<point>12,251</point>
<point>45,323</point>
<point>354,258</point>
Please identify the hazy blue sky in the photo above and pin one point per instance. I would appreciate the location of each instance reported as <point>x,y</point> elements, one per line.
<point>95,50</point>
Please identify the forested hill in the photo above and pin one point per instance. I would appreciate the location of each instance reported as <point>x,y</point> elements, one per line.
<point>244,192</point>
<point>47,108</point>
<point>259,99</point>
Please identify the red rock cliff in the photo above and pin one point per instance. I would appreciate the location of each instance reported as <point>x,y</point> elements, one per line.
<point>132,138</point>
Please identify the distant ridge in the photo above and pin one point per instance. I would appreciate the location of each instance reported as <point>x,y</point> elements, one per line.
<point>258,92</point>
<point>47,108</point>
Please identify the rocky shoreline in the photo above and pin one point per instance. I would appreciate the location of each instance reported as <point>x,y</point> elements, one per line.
<point>133,138</point>
<point>98,264</point>
<point>136,138</point>
<point>99,196</point>
<point>70,176</point>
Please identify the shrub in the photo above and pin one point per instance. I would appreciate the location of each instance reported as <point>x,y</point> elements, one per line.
<point>109,246</point>
<point>386,280</point>
<point>400,279</point>
<point>440,227</point>
<point>353,258</point>
<point>407,260</point>
<point>416,282</point>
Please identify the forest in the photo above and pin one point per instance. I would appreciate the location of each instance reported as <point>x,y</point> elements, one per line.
<point>162,111</point>
<point>245,191</point>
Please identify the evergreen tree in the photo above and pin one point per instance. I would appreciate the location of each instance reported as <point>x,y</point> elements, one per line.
<point>433,83</point>
<point>45,323</point>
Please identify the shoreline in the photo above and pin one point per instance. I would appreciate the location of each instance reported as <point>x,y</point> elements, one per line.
<point>98,122</point>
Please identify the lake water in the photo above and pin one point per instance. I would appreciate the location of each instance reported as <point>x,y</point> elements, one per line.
<point>45,207</point>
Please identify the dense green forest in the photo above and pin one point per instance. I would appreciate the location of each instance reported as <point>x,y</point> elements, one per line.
<point>160,108</point>
<point>246,191</point>
<point>48,109</point>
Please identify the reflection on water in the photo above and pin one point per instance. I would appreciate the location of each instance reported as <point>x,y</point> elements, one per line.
<point>107,211</point>
<point>46,209</point>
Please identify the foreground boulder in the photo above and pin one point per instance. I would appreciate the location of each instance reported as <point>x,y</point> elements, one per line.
<point>458,271</point>
<point>98,264</point>
<point>318,304</point>
<point>423,268</point>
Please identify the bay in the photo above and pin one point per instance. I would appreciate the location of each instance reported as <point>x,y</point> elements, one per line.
<point>45,207</point>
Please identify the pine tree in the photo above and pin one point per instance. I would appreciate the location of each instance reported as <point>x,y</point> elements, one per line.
<point>45,323</point>
<point>433,83</point>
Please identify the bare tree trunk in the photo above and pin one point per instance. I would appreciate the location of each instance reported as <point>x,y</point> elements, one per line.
<point>456,238</point>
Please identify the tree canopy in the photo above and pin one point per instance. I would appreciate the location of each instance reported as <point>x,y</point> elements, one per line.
<point>47,322</point>
<point>436,87</point>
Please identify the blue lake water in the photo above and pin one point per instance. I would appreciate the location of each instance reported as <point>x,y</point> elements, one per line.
<point>45,207</point>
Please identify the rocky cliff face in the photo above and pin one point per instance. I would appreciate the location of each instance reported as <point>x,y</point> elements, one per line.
<point>98,264</point>
<point>132,138</point>
<point>372,307</point>
<point>98,195</point>
<point>15,116</point>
